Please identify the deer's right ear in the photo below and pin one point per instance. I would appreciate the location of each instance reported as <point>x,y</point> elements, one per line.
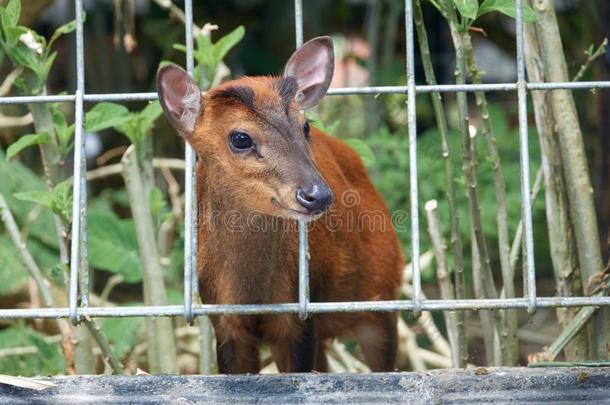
<point>180,99</point>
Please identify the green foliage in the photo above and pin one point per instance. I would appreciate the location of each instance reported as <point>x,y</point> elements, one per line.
<point>136,125</point>
<point>47,358</point>
<point>467,8</point>
<point>507,7</point>
<point>209,55</point>
<point>28,49</point>
<point>123,333</point>
<point>113,245</point>
<point>59,200</point>
<point>26,140</point>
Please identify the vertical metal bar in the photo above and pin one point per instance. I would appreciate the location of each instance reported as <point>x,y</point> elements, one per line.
<point>303,270</point>
<point>526,204</point>
<point>412,126</point>
<point>298,22</point>
<point>303,238</point>
<point>79,202</point>
<point>190,204</point>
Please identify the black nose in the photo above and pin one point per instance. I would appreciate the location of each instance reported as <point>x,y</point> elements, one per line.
<point>315,198</point>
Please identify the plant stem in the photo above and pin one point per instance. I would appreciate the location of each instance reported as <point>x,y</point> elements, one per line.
<point>102,341</point>
<point>441,123</point>
<point>598,52</point>
<point>469,168</point>
<point>561,237</point>
<point>45,291</point>
<point>516,245</point>
<point>442,274</point>
<point>579,189</point>
<point>508,272</point>
<point>82,354</point>
<point>161,341</point>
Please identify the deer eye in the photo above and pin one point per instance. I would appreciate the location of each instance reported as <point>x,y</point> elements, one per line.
<point>240,141</point>
<point>306,129</point>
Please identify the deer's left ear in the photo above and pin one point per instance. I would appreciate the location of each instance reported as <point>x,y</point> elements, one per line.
<point>312,65</point>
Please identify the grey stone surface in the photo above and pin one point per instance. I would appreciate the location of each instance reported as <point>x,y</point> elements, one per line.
<point>482,385</point>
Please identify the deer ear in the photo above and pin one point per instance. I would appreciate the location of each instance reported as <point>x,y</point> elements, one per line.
<point>312,65</point>
<point>180,99</point>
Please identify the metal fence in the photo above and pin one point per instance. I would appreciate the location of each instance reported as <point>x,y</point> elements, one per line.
<point>79,308</point>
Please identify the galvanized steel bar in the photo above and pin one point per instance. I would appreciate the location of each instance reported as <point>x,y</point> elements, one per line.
<point>78,258</point>
<point>190,205</point>
<point>335,91</point>
<point>313,307</point>
<point>412,124</point>
<point>303,238</point>
<point>529,273</point>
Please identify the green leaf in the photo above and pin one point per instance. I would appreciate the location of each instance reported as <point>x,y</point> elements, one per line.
<point>226,43</point>
<point>106,115</point>
<point>36,196</point>
<point>507,7</point>
<point>467,8</point>
<point>15,278</point>
<point>24,56</point>
<point>363,150</point>
<point>11,13</point>
<point>63,131</point>
<point>26,141</point>
<point>61,200</point>
<point>13,34</point>
<point>47,360</point>
<point>150,114</point>
<point>156,201</point>
<point>113,246</point>
<point>123,333</point>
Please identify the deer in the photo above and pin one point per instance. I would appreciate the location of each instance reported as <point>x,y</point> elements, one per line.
<point>262,168</point>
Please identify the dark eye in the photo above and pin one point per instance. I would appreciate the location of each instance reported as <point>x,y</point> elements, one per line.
<point>240,141</point>
<point>306,129</point>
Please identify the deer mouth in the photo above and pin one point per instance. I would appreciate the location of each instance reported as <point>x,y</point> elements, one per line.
<point>297,214</point>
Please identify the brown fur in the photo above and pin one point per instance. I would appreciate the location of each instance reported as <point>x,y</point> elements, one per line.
<point>242,260</point>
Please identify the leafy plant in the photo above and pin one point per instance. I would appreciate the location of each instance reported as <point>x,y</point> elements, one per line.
<point>209,55</point>
<point>28,49</point>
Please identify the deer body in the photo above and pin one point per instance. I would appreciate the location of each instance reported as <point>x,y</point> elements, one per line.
<point>261,169</point>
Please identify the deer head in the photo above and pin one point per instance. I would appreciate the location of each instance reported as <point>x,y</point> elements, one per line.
<point>251,134</point>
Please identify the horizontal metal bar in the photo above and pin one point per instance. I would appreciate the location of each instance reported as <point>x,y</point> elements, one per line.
<point>335,91</point>
<point>313,307</point>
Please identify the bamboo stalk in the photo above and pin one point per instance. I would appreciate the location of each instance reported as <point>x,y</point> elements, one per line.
<point>508,272</point>
<point>161,341</point>
<point>469,168</point>
<point>442,274</point>
<point>441,123</point>
<point>581,206</point>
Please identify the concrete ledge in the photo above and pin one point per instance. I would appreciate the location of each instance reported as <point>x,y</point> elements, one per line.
<point>482,385</point>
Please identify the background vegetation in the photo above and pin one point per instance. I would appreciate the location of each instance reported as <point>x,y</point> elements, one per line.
<point>124,44</point>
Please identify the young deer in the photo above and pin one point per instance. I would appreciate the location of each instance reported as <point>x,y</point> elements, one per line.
<point>261,168</point>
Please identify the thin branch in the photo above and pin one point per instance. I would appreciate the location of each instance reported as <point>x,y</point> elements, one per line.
<point>104,345</point>
<point>6,85</point>
<point>114,169</point>
<point>161,340</point>
<point>469,167</point>
<point>45,290</point>
<point>442,274</point>
<point>441,123</point>
<point>176,13</point>
<point>598,52</point>
<point>10,122</point>
<point>508,272</point>
<point>516,245</point>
